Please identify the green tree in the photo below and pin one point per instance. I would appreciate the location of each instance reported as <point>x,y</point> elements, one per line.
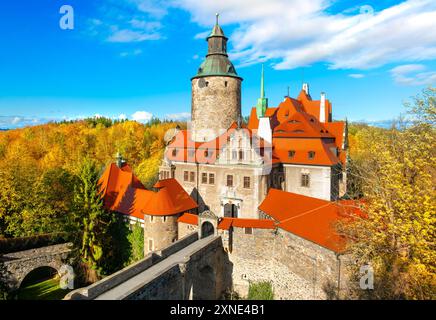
<point>93,222</point>
<point>136,239</point>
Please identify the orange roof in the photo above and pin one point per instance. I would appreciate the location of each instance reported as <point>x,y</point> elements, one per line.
<point>122,192</point>
<point>226,222</point>
<point>323,156</point>
<point>310,218</point>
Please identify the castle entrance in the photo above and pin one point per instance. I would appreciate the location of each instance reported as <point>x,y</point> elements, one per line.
<point>206,229</point>
<point>230,210</point>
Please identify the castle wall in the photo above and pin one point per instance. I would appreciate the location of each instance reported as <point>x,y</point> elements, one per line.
<point>297,268</point>
<point>320,181</point>
<point>216,104</point>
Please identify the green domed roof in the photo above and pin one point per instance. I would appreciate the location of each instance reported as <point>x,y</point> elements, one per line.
<point>217,62</point>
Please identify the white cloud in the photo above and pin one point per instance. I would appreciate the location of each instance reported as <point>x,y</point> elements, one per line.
<point>300,32</point>
<point>122,117</point>
<point>16,120</point>
<point>126,35</point>
<point>413,75</point>
<point>356,75</point>
<point>131,53</point>
<point>178,116</point>
<point>142,116</point>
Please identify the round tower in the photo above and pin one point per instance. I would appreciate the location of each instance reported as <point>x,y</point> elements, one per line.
<point>159,232</point>
<point>216,90</point>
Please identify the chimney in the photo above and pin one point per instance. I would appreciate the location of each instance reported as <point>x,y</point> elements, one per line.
<point>322,108</point>
<point>306,88</point>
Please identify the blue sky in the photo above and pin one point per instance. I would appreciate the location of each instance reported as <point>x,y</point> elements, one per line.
<point>135,58</point>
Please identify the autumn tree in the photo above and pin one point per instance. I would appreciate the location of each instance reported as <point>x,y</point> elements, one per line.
<point>396,237</point>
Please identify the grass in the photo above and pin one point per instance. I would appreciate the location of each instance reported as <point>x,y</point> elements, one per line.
<point>44,290</point>
<point>261,291</point>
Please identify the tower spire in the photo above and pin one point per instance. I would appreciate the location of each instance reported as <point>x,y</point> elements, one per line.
<point>262,88</point>
<point>262,102</point>
<point>217,16</point>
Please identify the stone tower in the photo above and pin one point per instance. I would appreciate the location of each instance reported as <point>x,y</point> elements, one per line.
<point>216,90</point>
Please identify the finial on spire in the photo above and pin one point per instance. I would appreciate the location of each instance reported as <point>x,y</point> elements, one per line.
<point>262,102</point>
<point>217,16</point>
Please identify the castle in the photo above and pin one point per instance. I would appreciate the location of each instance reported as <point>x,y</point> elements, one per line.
<point>272,183</point>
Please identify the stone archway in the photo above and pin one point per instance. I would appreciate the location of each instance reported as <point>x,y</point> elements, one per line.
<point>230,210</point>
<point>207,229</point>
<point>38,274</point>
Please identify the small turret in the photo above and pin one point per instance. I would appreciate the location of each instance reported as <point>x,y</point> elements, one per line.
<point>119,160</point>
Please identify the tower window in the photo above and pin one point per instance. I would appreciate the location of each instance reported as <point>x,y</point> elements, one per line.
<point>150,245</point>
<point>204,177</point>
<point>247,182</point>
<point>225,83</point>
<point>207,83</point>
<point>291,153</point>
<point>211,178</point>
<point>229,180</point>
<point>185,175</point>
<point>305,180</point>
<point>191,176</point>
<point>248,230</point>
<point>311,154</point>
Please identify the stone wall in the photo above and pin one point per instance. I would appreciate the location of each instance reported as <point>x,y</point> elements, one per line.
<point>216,104</point>
<point>297,268</point>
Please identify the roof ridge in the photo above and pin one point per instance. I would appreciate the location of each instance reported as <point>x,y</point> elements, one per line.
<point>306,212</point>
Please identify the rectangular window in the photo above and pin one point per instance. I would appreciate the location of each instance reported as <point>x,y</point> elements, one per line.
<point>192,176</point>
<point>311,154</point>
<point>241,155</point>
<point>150,245</point>
<point>191,153</point>
<point>229,180</point>
<point>247,182</point>
<point>262,152</point>
<point>211,178</point>
<point>174,152</point>
<point>234,155</point>
<point>185,175</point>
<point>204,177</point>
<point>305,180</point>
<point>164,218</point>
<point>248,230</point>
<point>291,154</point>
<point>151,218</point>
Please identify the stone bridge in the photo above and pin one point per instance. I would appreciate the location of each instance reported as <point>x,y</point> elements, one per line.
<point>190,268</point>
<point>14,267</point>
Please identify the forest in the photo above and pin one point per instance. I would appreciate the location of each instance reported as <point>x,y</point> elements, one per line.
<point>49,173</point>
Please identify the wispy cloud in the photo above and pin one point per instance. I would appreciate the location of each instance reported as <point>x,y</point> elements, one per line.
<point>356,75</point>
<point>178,116</point>
<point>413,75</point>
<point>300,32</point>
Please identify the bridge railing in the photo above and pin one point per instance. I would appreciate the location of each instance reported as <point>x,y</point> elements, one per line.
<point>130,271</point>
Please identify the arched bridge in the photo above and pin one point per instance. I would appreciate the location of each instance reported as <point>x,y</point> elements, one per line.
<point>15,266</point>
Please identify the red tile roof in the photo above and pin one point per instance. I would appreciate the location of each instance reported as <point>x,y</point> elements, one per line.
<point>124,193</point>
<point>225,223</point>
<point>310,218</point>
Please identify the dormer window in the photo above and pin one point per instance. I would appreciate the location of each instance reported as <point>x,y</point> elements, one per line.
<point>291,154</point>
<point>311,154</point>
